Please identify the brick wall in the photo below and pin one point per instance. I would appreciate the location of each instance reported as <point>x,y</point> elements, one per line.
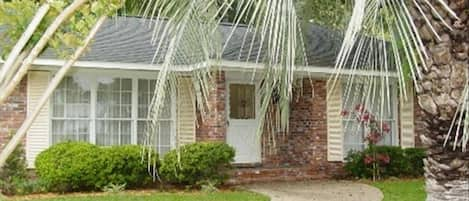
<point>12,113</point>
<point>212,126</point>
<point>302,153</point>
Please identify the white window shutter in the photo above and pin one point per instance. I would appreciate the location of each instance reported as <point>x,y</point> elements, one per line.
<point>186,116</point>
<point>335,138</point>
<point>406,110</point>
<point>37,139</point>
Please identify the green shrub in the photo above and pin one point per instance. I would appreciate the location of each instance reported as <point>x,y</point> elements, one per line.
<point>69,166</point>
<point>124,165</point>
<point>13,171</point>
<point>196,163</point>
<point>74,166</point>
<point>415,157</point>
<point>402,163</point>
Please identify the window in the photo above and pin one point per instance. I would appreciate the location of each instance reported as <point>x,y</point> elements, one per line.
<point>109,111</point>
<point>379,105</point>
<point>71,112</point>
<point>242,101</point>
<point>114,112</point>
<point>146,90</point>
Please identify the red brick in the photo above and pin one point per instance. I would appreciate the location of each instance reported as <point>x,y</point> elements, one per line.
<point>13,113</point>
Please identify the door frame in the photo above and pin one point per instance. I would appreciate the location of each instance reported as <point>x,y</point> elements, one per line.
<point>256,83</point>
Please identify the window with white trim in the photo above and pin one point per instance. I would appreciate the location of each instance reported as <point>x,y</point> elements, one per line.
<point>110,111</point>
<point>382,106</point>
<point>70,116</point>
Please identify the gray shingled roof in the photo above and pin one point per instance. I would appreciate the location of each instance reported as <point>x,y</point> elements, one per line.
<point>128,40</point>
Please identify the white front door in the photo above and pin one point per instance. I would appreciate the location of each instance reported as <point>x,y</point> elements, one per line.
<point>243,122</point>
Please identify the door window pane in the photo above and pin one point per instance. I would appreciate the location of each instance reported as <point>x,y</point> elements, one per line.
<point>242,101</point>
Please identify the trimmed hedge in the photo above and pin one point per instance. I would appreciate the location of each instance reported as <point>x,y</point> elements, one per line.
<point>74,166</point>
<point>124,164</point>
<point>403,162</point>
<point>197,163</point>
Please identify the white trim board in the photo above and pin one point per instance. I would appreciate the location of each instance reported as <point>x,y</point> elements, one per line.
<point>312,71</point>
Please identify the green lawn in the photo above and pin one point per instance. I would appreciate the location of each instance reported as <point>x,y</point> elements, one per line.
<point>402,190</point>
<point>221,196</point>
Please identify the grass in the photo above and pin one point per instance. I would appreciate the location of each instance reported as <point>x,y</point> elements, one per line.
<point>181,196</point>
<point>402,190</point>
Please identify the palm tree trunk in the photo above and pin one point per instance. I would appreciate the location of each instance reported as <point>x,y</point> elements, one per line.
<point>439,91</point>
<point>50,89</point>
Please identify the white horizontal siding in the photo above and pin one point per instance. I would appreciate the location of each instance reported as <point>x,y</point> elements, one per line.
<point>186,117</point>
<point>407,119</point>
<point>37,139</point>
<point>334,123</point>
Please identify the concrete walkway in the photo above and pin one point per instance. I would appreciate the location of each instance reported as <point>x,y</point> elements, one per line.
<point>318,191</point>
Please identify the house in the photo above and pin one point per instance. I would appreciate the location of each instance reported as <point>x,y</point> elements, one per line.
<point>104,100</point>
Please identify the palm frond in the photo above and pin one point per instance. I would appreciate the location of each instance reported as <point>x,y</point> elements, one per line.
<point>188,32</point>
<point>387,30</point>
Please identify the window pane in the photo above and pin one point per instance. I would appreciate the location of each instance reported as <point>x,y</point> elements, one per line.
<point>114,101</point>
<point>113,132</point>
<point>114,112</point>
<point>161,136</point>
<point>125,132</point>
<point>387,138</point>
<point>141,131</point>
<point>70,130</point>
<point>242,101</point>
<point>165,133</point>
<point>145,94</point>
<point>353,138</point>
<point>70,112</point>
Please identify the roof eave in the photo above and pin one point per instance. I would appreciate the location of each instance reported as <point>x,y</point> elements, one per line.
<point>228,65</point>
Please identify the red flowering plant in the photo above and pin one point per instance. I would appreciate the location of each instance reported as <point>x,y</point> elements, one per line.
<point>376,131</point>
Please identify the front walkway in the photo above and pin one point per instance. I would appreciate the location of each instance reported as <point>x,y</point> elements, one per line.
<point>318,191</point>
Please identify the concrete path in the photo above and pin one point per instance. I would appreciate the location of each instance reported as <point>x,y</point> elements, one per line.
<point>318,191</point>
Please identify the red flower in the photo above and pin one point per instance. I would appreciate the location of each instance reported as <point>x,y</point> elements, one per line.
<point>386,128</point>
<point>368,159</point>
<point>344,113</point>
<point>384,158</point>
<point>359,108</point>
<point>365,116</point>
<point>373,137</point>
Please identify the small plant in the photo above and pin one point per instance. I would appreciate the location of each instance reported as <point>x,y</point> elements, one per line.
<point>114,188</point>
<point>405,162</point>
<point>209,186</point>
<point>28,186</point>
<point>376,132</point>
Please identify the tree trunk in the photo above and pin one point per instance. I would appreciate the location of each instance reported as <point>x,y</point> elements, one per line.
<point>10,147</point>
<point>439,91</point>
